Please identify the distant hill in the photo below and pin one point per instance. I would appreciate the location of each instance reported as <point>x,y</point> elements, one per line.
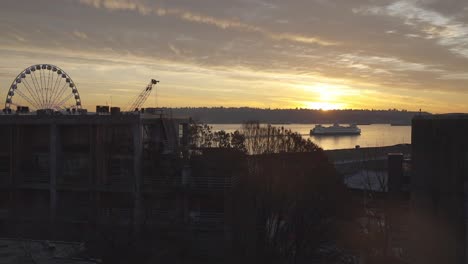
<point>224,115</point>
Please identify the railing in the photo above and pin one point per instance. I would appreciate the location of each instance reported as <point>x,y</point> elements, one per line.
<point>122,216</point>
<point>4,213</point>
<point>160,216</point>
<point>119,180</point>
<point>4,169</point>
<point>4,177</point>
<point>120,172</point>
<point>193,182</point>
<point>74,214</point>
<point>39,176</point>
<point>73,178</point>
<point>158,181</point>
<point>207,221</point>
<point>213,183</point>
<point>34,213</point>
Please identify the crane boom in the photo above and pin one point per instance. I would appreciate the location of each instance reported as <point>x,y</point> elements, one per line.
<point>141,98</point>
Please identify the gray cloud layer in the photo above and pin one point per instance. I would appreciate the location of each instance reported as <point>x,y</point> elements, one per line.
<point>411,47</point>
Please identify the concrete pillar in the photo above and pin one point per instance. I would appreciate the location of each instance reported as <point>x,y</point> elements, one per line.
<point>137,161</point>
<point>15,156</point>
<point>11,153</point>
<point>92,150</point>
<point>13,172</point>
<point>93,208</point>
<point>53,146</point>
<point>186,178</point>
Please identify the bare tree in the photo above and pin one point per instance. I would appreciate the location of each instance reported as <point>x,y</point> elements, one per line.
<point>296,195</point>
<point>295,192</point>
<point>264,139</point>
<point>222,139</point>
<point>378,206</point>
<point>201,136</point>
<point>297,198</point>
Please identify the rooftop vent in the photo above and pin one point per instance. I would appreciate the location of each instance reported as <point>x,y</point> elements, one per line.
<point>115,110</point>
<point>102,109</point>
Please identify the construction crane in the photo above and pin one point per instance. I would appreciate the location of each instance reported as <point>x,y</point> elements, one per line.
<point>141,98</point>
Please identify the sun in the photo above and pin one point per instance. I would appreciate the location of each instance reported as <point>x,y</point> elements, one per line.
<point>327,97</point>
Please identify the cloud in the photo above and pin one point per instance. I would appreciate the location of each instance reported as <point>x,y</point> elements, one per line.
<point>80,35</point>
<point>454,76</point>
<point>146,9</point>
<point>378,64</point>
<point>19,38</point>
<point>298,38</point>
<point>175,50</point>
<point>133,5</point>
<point>446,30</point>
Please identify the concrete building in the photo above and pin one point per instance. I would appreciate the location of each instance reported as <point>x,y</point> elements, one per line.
<point>68,176</point>
<point>438,189</point>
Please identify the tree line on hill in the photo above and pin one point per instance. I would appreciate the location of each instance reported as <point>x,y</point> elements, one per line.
<point>237,115</point>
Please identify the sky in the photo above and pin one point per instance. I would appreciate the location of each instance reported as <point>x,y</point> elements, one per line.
<point>321,54</point>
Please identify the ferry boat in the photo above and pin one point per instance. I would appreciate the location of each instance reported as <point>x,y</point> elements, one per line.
<point>336,130</point>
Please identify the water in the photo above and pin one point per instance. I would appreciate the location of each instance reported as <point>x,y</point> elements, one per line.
<point>376,135</point>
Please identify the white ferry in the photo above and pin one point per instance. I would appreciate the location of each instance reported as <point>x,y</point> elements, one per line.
<point>336,130</point>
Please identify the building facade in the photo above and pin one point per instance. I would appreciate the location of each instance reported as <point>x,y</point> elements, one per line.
<point>73,176</point>
<point>438,192</point>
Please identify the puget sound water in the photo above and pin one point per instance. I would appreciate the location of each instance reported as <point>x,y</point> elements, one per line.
<point>375,135</point>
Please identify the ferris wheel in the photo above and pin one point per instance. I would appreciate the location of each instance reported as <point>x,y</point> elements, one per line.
<point>43,86</point>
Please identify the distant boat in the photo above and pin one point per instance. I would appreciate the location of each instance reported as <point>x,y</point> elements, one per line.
<point>335,130</point>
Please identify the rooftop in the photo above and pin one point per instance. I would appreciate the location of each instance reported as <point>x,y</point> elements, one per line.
<point>83,117</point>
<point>443,116</point>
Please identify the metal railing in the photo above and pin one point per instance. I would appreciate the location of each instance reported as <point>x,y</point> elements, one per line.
<point>115,215</point>
<point>73,214</point>
<point>207,220</point>
<point>39,176</point>
<point>4,213</point>
<point>192,182</point>
<point>160,216</point>
<point>156,181</point>
<point>213,183</point>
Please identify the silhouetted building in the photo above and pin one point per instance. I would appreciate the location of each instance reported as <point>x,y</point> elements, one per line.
<point>438,189</point>
<point>71,176</point>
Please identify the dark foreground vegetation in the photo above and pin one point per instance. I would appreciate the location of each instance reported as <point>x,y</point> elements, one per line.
<point>289,193</point>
